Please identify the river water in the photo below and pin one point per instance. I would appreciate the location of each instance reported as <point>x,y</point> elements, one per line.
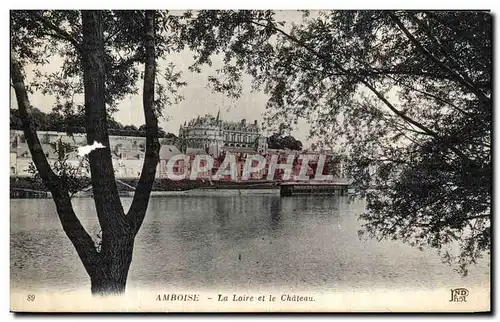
<point>232,239</point>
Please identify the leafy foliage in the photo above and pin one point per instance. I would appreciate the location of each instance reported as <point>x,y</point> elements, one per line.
<point>101,54</point>
<point>405,96</point>
<point>277,141</point>
<point>74,176</point>
<point>41,37</point>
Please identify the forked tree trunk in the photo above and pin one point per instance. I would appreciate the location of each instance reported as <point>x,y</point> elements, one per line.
<point>110,275</point>
<point>107,268</point>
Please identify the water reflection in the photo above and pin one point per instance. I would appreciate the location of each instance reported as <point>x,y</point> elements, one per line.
<point>275,211</point>
<point>231,240</point>
<point>221,214</point>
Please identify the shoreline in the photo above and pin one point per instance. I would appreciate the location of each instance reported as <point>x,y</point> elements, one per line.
<point>32,188</point>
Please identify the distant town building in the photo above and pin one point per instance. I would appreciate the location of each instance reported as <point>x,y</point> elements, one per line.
<point>214,136</point>
<point>236,138</point>
<point>127,152</point>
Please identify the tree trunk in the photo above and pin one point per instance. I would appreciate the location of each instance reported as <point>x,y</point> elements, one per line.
<point>110,274</point>
<point>107,201</point>
<point>103,284</point>
<point>108,268</point>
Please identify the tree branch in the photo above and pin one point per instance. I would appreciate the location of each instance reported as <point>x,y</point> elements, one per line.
<point>328,60</point>
<point>37,154</point>
<point>442,100</point>
<point>129,61</point>
<point>137,210</point>
<point>76,233</point>
<point>478,216</point>
<point>112,34</point>
<point>406,72</point>
<point>60,33</point>
<point>462,79</point>
<point>363,81</point>
<point>107,200</point>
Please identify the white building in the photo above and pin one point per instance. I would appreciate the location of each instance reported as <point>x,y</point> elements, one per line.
<point>127,153</point>
<point>215,136</point>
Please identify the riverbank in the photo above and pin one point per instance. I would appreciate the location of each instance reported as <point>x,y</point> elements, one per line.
<point>28,187</point>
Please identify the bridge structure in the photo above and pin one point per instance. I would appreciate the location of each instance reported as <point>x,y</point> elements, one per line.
<point>337,187</point>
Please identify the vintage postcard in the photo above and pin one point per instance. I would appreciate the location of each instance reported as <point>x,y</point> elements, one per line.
<point>250,161</point>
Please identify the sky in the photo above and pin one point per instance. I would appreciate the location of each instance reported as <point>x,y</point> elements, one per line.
<point>199,99</point>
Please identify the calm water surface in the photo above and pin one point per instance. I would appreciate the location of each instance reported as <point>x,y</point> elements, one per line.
<point>195,242</point>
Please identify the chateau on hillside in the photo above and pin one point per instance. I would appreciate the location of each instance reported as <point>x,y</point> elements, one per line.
<point>128,152</point>
<point>202,135</point>
<point>212,135</point>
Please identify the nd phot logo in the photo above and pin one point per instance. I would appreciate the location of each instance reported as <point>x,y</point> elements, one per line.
<point>459,295</point>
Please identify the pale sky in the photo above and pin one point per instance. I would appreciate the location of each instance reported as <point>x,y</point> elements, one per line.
<point>198,98</point>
